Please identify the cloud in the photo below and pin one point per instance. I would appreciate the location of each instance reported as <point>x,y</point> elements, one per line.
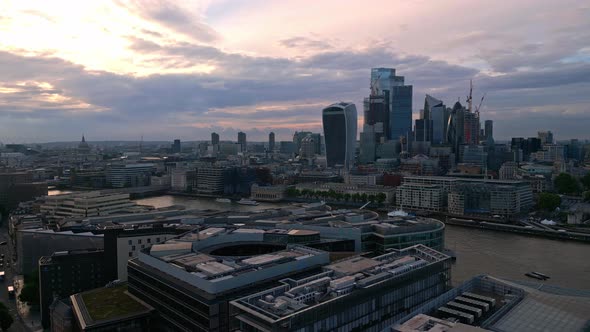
<point>172,16</point>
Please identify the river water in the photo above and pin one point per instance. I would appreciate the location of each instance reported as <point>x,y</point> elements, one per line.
<point>478,251</point>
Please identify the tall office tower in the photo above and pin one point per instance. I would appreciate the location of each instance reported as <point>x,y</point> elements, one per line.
<point>340,125</point>
<point>376,110</point>
<point>436,111</point>
<point>423,130</point>
<point>271,141</point>
<point>384,82</point>
<point>242,140</point>
<point>456,128</point>
<point>471,128</point>
<point>214,139</point>
<point>546,137</point>
<point>489,129</point>
<point>176,146</point>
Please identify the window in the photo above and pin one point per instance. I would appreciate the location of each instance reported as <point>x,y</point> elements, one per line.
<point>157,239</point>
<point>133,248</point>
<point>149,240</point>
<point>131,254</point>
<point>130,242</point>
<point>139,241</point>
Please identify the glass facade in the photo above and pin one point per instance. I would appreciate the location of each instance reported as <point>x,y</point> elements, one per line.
<point>340,127</point>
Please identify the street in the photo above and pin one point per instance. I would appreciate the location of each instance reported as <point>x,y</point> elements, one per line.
<point>8,268</point>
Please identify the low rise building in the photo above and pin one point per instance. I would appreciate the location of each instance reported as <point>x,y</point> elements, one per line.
<point>423,197</point>
<point>268,193</point>
<point>354,294</point>
<point>111,309</point>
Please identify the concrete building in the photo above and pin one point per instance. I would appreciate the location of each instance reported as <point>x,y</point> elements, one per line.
<point>271,142</point>
<point>201,272</point>
<point>176,146</point>
<point>18,186</point>
<point>210,180</point>
<point>68,272</point>
<point>489,129</point>
<point>421,197</point>
<point>214,139</point>
<point>111,308</point>
<point>32,244</point>
<point>340,127</point>
<point>354,294</point>
<point>508,171</point>
<point>129,175</point>
<point>183,179</point>
<point>268,193</point>
<point>487,303</point>
<point>242,141</point>
<point>86,204</point>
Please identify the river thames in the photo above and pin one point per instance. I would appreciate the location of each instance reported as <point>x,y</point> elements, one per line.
<point>478,251</point>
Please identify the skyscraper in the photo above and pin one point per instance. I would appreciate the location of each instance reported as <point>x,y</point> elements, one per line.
<point>271,141</point>
<point>340,125</point>
<point>489,127</point>
<point>214,139</point>
<point>399,95</point>
<point>435,111</point>
<point>242,140</point>
<point>176,146</point>
<point>376,110</point>
<point>546,137</point>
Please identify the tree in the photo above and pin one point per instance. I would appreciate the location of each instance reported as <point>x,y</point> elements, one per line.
<point>381,197</point>
<point>30,292</point>
<point>549,202</point>
<point>347,197</point>
<point>566,184</point>
<point>5,317</point>
<point>587,196</point>
<point>586,180</point>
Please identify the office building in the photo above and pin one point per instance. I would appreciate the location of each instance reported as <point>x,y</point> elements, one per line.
<point>376,111</point>
<point>546,137</point>
<point>436,114</point>
<point>210,180</point>
<point>242,141</point>
<point>129,175</point>
<point>385,82</point>
<point>421,197</point>
<point>200,272</point>
<point>475,155</point>
<point>354,294</point>
<point>489,129</point>
<point>32,244</point>
<point>68,272</point>
<point>486,303</point>
<point>340,126</point>
<point>176,146</point>
<point>111,308</point>
<point>287,147</point>
<point>505,198</point>
<point>508,171</point>
<point>423,131</point>
<point>471,127</point>
<point>310,146</point>
<point>122,243</point>
<point>271,142</point>
<point>18,186</point>
<point>86,204</point>
<point>369,143</point>
<point>214,139</point>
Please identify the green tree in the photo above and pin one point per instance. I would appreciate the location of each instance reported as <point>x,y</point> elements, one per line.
<point>30,292</point>
<point>372,198</point>
<point>549,202</point>
<point>347,197</point>
<point>363,197</point>
<point>586,180</point>
<point>381,197</point>
<point>566,184</point>
<point>5,317</point>
<point>587,196</point>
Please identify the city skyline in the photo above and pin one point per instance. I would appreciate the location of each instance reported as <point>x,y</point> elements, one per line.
<point>169,70</point>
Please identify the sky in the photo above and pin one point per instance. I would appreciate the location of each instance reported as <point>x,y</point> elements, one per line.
<point>119,70</point>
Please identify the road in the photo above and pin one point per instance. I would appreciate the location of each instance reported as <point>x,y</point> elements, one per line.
<point>8,267</point>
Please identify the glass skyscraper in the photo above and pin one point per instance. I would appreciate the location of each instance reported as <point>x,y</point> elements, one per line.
<point>384,81</point>
<point>340,126</point>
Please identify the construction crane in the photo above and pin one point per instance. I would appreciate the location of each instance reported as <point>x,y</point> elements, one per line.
<point>479,106</point>
<point>470,97</point>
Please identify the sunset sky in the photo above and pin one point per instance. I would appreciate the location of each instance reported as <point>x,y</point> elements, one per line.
<point>116,70</point>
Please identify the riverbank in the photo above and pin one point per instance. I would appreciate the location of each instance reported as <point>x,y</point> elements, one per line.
<point>524,230</point>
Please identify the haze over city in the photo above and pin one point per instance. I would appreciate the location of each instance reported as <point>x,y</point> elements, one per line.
<point>117,70</point>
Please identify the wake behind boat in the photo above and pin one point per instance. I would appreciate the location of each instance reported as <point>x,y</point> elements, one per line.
<point>223,200</point>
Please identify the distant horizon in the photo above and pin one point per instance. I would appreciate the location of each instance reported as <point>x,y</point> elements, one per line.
<point>172,68</point>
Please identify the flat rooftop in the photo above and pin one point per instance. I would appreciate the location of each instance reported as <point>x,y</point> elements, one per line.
<point>107,304</point>
<point>337,280</point>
